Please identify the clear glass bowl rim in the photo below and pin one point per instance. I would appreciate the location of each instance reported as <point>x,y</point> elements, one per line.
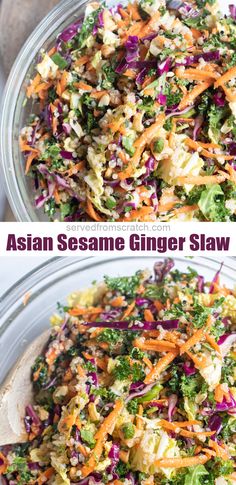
<point>11,302</point>
<point>59,14</point>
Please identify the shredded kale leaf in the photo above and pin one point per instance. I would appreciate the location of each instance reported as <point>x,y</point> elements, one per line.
<point>20,467</point>
<point>212,204</point>
<point>126,285</point>
<point>124,370</point>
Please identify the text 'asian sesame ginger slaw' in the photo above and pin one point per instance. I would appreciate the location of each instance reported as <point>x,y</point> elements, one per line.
<point>136,386</point>
<point>134,115</point>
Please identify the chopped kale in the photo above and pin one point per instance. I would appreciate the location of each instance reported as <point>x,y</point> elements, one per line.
<point>128,430</point>
<point>124,370</point>
<point>126,285</point>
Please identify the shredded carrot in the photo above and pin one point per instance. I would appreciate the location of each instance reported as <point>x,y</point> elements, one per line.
<point>150,24</point>
<point>160,366</point>
<point>201,180</point>
<point>196,145</point>
<point>196,74</point>
<point>178,424</point>
<point>232,172</point>
<point>220,451</point>
<point>79,311</point>
<point>82,60</point>
<point>189,98</point>
<point>82,449</point>
<point>199,434</point>
<point>227,76</point>
<point>230,95</point>
<point>155,345</point>
<point>140,144</point>
<point>4,464</point>
<point>118,301</point>
<point>147,362</point>
<point>210,339</point>
<point>129,310</point>
<point>130,73</point>
<point>43,478</point>
<point>199,361</point>
<point>100,437</point>
<point>31,88</point>
<point>139,420</point>
<point>98,94</point>
<point>56,196</point>
<point>196,337</point>
<point>148,315</point>
<point>133,10</point>
<point>220,393</point>
<point>92,213</point>
<point>159,306</point>
<point>29,161</point>
<point>181,462</point>
<point>82,85</point>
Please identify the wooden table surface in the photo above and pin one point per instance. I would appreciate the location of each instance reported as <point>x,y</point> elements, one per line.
<point>18,18</point>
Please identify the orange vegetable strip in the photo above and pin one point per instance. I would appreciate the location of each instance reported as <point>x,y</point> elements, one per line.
<point>160,366</point>
<point>91,212</point>
<point>227,76</point>
<point>179,424</point>
<point>148,315</point>
<point>29,161</point>
<point>124,456</point>
<point>82,60</point>
<point>150,24</point>
<point>196,74</point>
<point>195,145</point>
<point>201,180</point>
<point>210,339</point>
<point>199,362</point>
<point>28,148</point>
<point>181,462</point>
<point>101,436</point>
<point>231,171</point>
<point>140,144</point>
<point>129,310</point>
<point>85,311</point>
<point>31,88</point>
<point>229,93</point>
<point>133,10</point>
<point>3,466</point>
<point>189,98</point>
<point>154,343</point>
<point>118,301</point>
<point>147,362</point>
<point>220,451</point>
<point>150,132</point>
<point>196,337</point>
<point>83,85</point>
<point>193,434</point>
<point>98,94</point>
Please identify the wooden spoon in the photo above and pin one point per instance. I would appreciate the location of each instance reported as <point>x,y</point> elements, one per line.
<point>17,392</point>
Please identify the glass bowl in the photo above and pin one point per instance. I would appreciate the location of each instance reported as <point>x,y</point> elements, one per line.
<point>55,279</point>
<point>14,114</point>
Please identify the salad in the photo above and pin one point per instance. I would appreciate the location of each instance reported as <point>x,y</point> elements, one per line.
<point>135,386</point>
<point>134,115</point>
